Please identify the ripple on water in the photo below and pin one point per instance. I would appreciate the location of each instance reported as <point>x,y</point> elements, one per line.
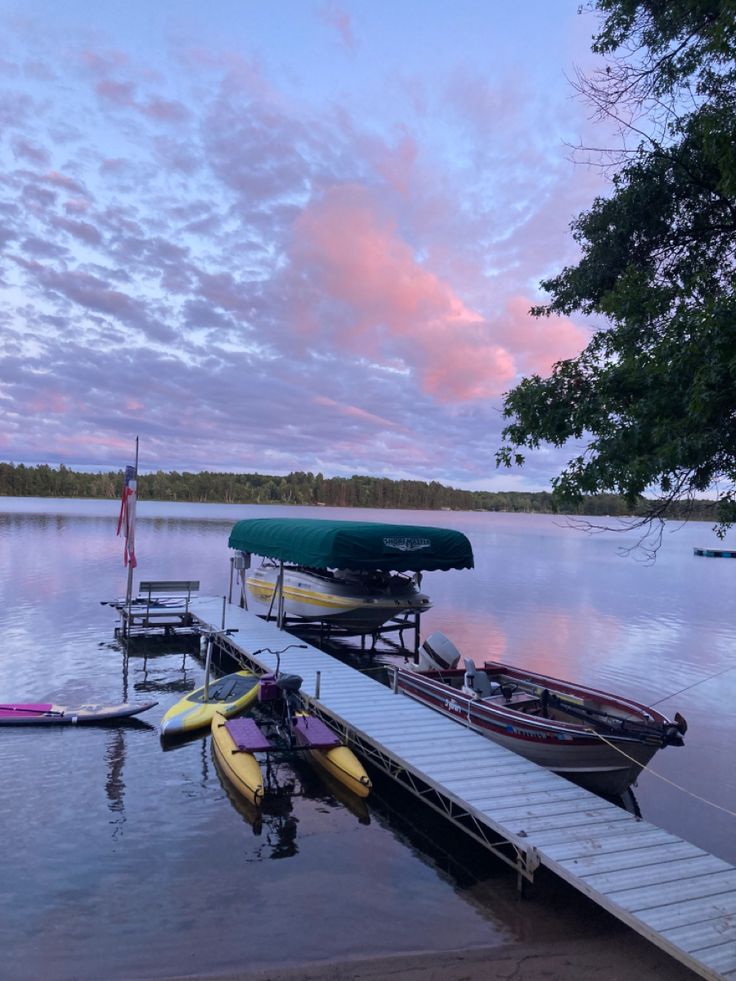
<point>125,859</point>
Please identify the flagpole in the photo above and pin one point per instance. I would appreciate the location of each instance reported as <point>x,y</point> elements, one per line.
<point>129,592</point>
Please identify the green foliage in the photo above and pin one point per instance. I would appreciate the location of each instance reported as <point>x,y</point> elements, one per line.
<point>652,395</point>
<point>302,489</point>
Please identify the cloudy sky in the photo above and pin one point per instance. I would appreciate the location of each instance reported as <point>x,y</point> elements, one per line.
<point>284,235</point>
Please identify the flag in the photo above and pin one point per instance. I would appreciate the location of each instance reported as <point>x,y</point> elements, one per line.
<point>127,516</point>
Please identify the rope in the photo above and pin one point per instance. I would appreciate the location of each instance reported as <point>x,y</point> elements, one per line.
<point>659,775</point>
<point>694,685</point>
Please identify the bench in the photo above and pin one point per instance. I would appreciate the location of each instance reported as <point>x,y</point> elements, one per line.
<point>175,588</point>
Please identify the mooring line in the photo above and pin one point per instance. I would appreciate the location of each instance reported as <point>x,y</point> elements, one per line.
<point>654,773</point>
<point>694,685</point>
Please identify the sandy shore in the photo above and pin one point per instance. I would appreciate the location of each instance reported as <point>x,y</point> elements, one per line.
<point>626,957</point>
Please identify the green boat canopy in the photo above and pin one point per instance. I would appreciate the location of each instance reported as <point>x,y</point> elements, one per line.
<point>361,545</point>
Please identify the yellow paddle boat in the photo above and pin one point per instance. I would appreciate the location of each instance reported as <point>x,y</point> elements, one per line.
<point>234,742</point>
<point>326,750</point>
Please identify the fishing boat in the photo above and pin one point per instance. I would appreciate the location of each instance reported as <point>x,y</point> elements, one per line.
<point>355,574</point>
<point>599,740</point>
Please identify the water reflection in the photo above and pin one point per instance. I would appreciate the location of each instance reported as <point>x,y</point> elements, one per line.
<point>541,596</point>
<point>275,820</point>
<point>288,775</point>
<point>115,784</point>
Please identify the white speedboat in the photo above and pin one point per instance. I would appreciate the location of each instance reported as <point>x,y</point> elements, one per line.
<point>357,574</point>
<point>360,601</point>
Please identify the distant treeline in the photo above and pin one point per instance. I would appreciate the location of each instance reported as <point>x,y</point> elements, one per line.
<point>304,488</point>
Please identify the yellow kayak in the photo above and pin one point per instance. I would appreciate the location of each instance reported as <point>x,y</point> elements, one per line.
<point>234,742</point>
<point>327,751</point>
<point>227,695</point>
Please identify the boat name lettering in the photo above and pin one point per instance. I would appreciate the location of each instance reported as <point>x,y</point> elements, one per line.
<point>452,706</point>
<point>407,544</point>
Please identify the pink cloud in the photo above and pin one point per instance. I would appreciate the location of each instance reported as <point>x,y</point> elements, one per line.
<point>76,206</point>
<point>164,110</point>
<point>51,402</point>
<point>102,63</point>
<point>26,150</point>
<point>338,18</point>
<point>397,164</point>
<point>81,230</point>
<point>538,342</point>
<point>353,252</point>
<point>68,183</point>
<point>119,93</point>
<point>463,370</point>
<point>357,255</point>
<point>357,413</point>
<point>123,95</point>
<point>481,104</point>
<point>81,443</point>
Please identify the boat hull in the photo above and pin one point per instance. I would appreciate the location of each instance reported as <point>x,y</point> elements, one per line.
<point>342,764</point>
<point>607,764</point>
<point>240,768</point>
<point>339,761</point>
<point>353,604</point>
<point>228,695</point>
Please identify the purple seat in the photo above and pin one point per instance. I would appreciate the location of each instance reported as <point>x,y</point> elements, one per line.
<point>314,734</point>
<point>246,735</point>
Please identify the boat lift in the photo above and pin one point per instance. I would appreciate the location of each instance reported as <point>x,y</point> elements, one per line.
<point>360,546</point>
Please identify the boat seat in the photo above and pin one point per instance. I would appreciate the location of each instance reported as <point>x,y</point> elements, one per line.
<point>246,735</point>
<point>478,681</point>
<point>482,684</point>
<point>313,733</point>
<point>289,682</point>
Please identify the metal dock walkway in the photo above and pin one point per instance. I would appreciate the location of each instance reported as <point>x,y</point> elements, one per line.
<point>676,895</point>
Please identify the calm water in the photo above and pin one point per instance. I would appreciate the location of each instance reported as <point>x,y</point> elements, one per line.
<point>125,860</point>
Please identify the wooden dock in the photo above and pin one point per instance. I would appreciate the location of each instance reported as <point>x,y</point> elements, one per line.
<point>162,605</point>
<point>676,895</point>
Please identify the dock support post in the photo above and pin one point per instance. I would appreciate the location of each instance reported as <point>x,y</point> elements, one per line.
<point>280,606</point>
<point>207,662</point>
<point>317,684</point>
<point>529,862</point>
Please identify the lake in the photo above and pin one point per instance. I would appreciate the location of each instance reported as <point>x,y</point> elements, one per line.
<point>127,860</point>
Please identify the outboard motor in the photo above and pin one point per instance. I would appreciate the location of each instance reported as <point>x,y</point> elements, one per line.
<point>438,653</point>
<point>674,732</point>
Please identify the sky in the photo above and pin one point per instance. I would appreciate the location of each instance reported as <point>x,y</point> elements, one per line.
<point>285,235</point>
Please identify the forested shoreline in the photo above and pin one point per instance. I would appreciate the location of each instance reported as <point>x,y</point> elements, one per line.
<point>301,488</point>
